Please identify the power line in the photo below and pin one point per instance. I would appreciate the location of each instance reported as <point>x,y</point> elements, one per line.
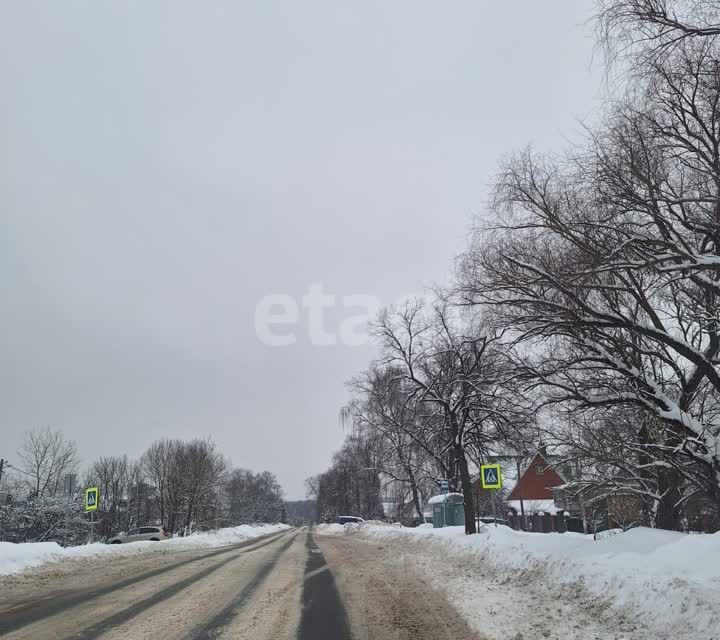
<point>9,466</point>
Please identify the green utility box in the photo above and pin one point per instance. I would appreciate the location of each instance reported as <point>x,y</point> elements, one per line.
<point>448,510</point>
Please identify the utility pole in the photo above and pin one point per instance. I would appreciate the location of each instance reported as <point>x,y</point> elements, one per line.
<point>2,464</point>
<point>580,497</point>
<point>477,503</point>
<point>522,503</point>
<point>494,501</point>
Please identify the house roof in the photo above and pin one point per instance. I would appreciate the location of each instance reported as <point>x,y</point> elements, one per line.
<point>552,461</point>
<point>509,467</point>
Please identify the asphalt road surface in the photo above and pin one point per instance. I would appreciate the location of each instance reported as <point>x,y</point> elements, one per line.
<point>288,585</point>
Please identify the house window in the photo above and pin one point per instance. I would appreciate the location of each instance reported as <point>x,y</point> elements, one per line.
<point>539,469</point>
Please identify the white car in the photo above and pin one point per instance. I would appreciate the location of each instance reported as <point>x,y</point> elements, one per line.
<point>142,533</point>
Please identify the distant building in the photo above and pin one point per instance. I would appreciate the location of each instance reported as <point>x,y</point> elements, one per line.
<point>531,487</point>
<point>537,480</point>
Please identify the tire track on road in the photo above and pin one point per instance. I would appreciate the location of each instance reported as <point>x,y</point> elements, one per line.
<point>323,613</point>
<point>168,592</point>
<point>212,628</point>
<point>25,614</point>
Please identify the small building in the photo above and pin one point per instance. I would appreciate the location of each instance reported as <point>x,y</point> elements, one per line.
<point>531,494</point>
<point>448,510</point>
<point>537,480</point>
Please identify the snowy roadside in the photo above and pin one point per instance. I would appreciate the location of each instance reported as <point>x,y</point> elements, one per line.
<point>16,558</point>
<point>641,584</point>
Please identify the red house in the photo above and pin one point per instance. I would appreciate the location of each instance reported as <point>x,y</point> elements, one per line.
<point>537,481</point>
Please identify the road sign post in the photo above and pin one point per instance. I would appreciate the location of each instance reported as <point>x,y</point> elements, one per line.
<point>92,497</point>
<point>491,478</point>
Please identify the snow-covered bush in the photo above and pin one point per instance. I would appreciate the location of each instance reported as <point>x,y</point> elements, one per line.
<point>45,519</point>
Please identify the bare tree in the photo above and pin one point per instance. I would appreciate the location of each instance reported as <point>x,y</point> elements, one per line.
<point>46,457</point>
<point>608,263</point>
<point>648,30</point>
<point>384,410</point>
<point>111,475</point>
<point>156,465</point>
<point>200,468</point>
<point>351,486</point>
<point>252,497</point>
<point>458,369</point>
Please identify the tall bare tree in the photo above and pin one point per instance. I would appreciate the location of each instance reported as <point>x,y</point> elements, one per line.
<point>200,470</point>
<point>608,263</point>
<point>648,30</point>
<point>386,410</point>
<point>252,497</point>
<point>351,486</point>
<point>46,457</point>
<point>112,476</point>
<point>459,369</point>
<point>156,465</point>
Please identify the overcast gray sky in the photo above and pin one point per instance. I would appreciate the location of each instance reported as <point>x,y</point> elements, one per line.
<point>165,165</point>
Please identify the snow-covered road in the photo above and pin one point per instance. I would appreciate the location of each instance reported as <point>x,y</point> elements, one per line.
<point>370,582</point>
<point>16,558</point>
<point>288,585</point>
<point>640,585</point>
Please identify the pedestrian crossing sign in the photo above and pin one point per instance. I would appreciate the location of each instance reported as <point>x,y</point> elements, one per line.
<point>92,495</point>
<point>490,476</point>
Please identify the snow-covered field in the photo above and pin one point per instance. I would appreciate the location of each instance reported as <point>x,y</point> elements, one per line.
<point>15,558</point>
<point>653,584</point>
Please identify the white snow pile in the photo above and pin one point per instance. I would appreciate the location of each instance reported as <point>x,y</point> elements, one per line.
<point>15,558</point>
<point>229,535</point>
<point>351,528</point>
<point>668,581</point>
<point>332,529</point>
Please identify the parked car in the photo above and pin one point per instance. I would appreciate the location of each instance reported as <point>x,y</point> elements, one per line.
<point>141,533</point>
<point>346,519</point>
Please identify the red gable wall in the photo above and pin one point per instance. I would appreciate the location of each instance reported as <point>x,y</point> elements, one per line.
<point>536,487</point>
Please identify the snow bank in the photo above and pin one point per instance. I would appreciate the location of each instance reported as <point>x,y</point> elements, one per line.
<point>331,529</point>
<point>671,581</point>
<point>15,558</point>
<point>220,537</point>
<point>354,527</point>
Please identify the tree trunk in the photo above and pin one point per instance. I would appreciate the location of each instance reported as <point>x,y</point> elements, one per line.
<point>668,513</point>
<point>452,465</point>
<point>415,492</point>
<point>645,472</point>
<point>715,522</point>
<point>188,518</point>
<point>466,481</point>
<point>161,493</point>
